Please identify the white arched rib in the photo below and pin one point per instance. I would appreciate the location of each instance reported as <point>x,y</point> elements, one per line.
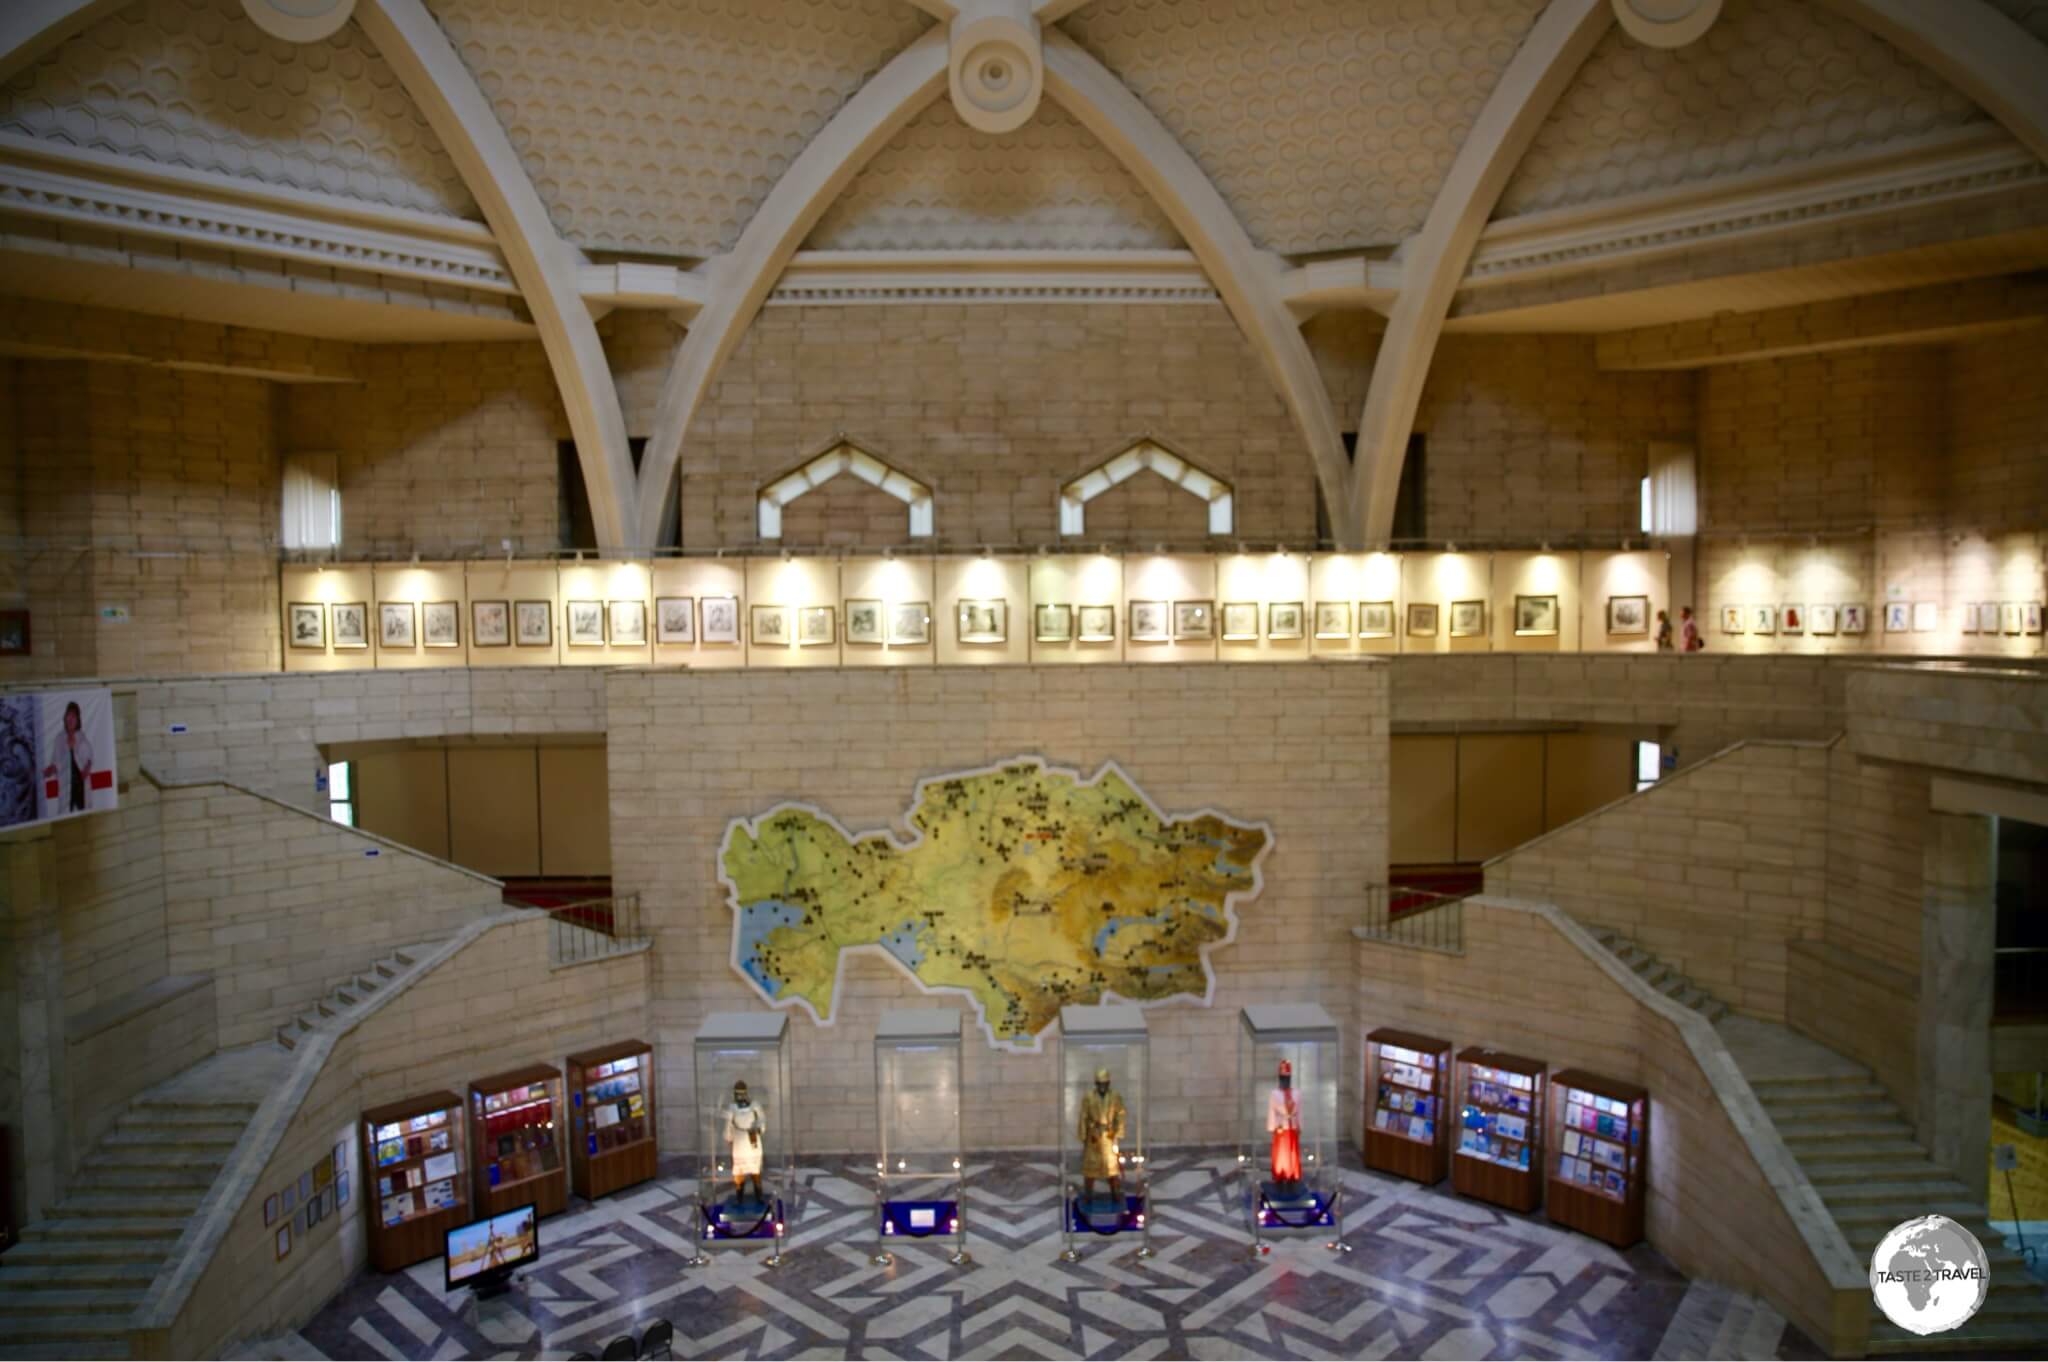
<point>544,265</point>
<point>1436,258</point>
<point>741,283</point>
<point>1247,281</point>
<point>29,28</point>
<point>1975,48</point>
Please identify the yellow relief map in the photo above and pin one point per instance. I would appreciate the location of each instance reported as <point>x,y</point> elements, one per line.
<point>1024,887</point>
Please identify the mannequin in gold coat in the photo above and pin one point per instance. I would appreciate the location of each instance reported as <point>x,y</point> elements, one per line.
<point>1102,1131</point>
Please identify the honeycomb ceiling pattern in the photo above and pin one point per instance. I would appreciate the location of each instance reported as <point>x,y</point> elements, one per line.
<point>194,83</point>
<point>939,184</point>
<point>1326,124</point>
<point>2032,15</point>
<point>656,127</point>
<point>1773,82</point>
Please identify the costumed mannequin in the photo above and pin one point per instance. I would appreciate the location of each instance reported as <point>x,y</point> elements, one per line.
<point>744,1125</point>
<point>1102,1131</point>
<point>1283,1122</point>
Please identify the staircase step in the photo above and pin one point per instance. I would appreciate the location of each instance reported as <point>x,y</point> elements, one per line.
<point>116,1206</point>
<point>107,1348</point>
<point>199,1161</point>
<point>1881,1217</point>
<point>1937,1186</point>
<point>91,1256</point>
<point>1771,1091</point>
<point>1980,1335</point>
<point>1802,1086</point>
<point>1796,1111</point>
<point>111,1181</point>
<point>230,1114</point>
<point>1847,1129</point>
<point>1714,1010</point>
<point>71,1228</point>
<point>107,1332</point>
<point>1858,1171</point>
<point>38,1291</point>
<point>217,1135</point>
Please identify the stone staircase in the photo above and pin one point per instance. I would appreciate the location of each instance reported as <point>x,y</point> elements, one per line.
<point>349,996</point>
<point>1659,975</point>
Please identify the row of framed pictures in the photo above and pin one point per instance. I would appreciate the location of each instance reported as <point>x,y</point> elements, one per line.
<point>406,625</point>
<point>1900,617</point>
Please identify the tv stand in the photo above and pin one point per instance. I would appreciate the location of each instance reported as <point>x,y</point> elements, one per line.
<point>492,1284</point>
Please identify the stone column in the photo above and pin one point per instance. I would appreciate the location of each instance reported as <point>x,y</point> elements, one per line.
<point>1958,931</point>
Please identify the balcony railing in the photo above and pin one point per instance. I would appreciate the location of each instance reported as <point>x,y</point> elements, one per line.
<point>1420,918</point>
<point>595,929</point>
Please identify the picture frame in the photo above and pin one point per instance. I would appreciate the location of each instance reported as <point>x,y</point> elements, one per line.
<point>1150,622</point>
<point>583,624</point>
<point>1468,619</point>
<point>1240,621</point>
<point>533,624</point>
<point>626,623</point>
<point>14,633</point>
<point>2030,617</point>
<point>720,622</point>
<point>490,624</point>
<point>768,626</point>
<point>289,1199</point>
<point>1898,617</point>
<point>1792,619</point>
<point>1971,613</point>
<point>341,1189</point>
<point>1194,620</point>
<point>305,626</point>
<point>1988,618</point>
<point>1822,619</point>
<point>2009,616</point>
<point>1052,623</point>
<point>1422,619</point>
<point>865,621</point>
<point>1535,617</point>
<point>817,626</point>
<point>441,624</point>
<point>1375,619</point>
<point>675,619</point>
<point>1286,619</point>
<point>1855,618</point>
<point>1732,620</point>
<point>397,625</point>
<point>284,1242</point>
<point>351,624</point>
<point>1095,623</point>
<point>910,624</point>
<point>1628,615</point>
<point>1333,619</point>
<point>982,621</point>
<point>270,1209</point>
<point>1763,619</point>
<point>1926,617</point>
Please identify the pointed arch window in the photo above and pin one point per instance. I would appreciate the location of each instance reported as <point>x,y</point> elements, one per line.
<point>849,458</point>
<point>1137,458</point>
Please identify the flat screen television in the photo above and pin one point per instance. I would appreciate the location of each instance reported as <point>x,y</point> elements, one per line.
<point>483,1253</point>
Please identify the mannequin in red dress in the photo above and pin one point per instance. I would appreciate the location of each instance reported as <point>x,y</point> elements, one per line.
<point>1283,1121</point>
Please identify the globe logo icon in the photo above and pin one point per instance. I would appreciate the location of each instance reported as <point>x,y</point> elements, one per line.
<point>1929,1275</point>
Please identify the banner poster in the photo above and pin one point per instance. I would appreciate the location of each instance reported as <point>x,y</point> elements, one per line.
<point>56,755</point>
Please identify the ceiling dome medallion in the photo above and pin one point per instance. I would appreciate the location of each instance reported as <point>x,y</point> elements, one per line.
<point>300,21</point>
<point>996,64</point>
<point>1666,23</point>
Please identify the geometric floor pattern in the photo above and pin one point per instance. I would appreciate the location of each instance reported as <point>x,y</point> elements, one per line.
<point>1430,1275</point>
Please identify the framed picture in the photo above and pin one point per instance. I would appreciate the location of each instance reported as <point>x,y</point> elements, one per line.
<point>1628,614</point>
<point>1286,619</point>
<point>983,621</point>
<point>14,633</point>
<point>1792,619</point>
<point>290,1201</point>
<point>1898,617</point>
<point>1240,621</point>
<point>1926,617</point>
<point>534,624</point>
<point>270,1209</point>
<point>910,622</point>
<point>721,619</point>
<point>1333,619</point>
<point>2030,616</point>
<point>341,1189</point>
<point>2009,616</point>
<point>1375,619</point>
<point>305,1187</point>
<point>340,1156</point>
<point>1763,619</point>
<point>771,626</point>
<point>1468,618</point>
<point>583,624</point>
<point>1095,623</point>
<point>1148,622</point>
<point>1535,617</point>
<point>441,624</point>
<point>628,623</point>
<point>1422,620</point>
<point>1822,619</point>
<point>1855,618</point>
<point>284,1242</point>
<point>1987,617</point>
<point>397,625</point>
<point>816,625</point>
<point>351,623</point>
<point>1974,611</point>
<point>675,619</point>
<point>306,625</point>
<point>1732,619</point>
<point>1194,619</point>
<point>490,624</point>
<point>1053,623</point>
<point>864,622</point>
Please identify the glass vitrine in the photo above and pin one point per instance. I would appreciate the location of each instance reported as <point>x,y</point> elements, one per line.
<point>744,1118</point>
<point>1289,1058</point>
<point>1598,1148</point>
<point>1409,1076</point>
<point>515,1119</point>
<point>1104,1069</point>
<point>1500,1128</point>
<point>920,1185</point>
<point>415,1149</point>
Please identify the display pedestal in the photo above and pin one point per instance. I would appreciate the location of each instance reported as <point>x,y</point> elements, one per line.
<point>1105,1216</point>
<point>1406,1132</point>
<point>1599,1155</point>
<point>920,1185</point>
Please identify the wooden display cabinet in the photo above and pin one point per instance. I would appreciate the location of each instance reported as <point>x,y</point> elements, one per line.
<point>515,1119</point>
<point>1406,1132</point>
<point>1499,1155</point>
<point>611,1118</point>
<point>1598,1155</point>
<point>415,1188</point>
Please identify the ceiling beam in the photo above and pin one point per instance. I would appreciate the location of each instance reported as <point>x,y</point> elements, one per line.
<point>1974,47</point>
<point>1435,259</point>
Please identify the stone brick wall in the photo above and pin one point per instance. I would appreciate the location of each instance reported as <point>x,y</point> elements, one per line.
<point>1303,748</point>
<point>1990,723</point>
<point>111,900</point>
<point>1998,423</point>
<point>115,1052</point>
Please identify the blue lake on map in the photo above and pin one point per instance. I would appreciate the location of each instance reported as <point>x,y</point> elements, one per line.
<point>756,921</point>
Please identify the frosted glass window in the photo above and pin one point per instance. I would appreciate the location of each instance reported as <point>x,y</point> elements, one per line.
<point>312,501</point>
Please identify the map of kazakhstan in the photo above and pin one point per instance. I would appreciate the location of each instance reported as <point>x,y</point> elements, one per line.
<point>1024,886</point>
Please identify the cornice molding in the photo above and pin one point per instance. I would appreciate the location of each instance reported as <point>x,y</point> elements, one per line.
<point>896,277</point>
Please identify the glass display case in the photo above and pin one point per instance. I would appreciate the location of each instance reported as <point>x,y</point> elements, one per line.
<point>611,1118</point>
<point>1105,1055</point>
<point>920,1185</point>
<point>1408,1084</point>
<point>1499,1157</point>
<point>515,1119</point>
<point>414,1149</point>
<point>1598,1155</point>
<point>1289,1058</point>
<point>745,1118</point>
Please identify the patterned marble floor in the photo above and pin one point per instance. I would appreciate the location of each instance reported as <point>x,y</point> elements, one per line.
<point>1430,1276</point>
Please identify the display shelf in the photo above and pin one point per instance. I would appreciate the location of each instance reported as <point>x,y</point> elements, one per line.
<point>744,1159</point>
<point>515,1120</point>
<point>1289,1056</point>
<point>920,1182</point>
<point>412,1161</point>
<point>1598,1155</point>
<point>1407,1091</point>
<point>1499,1156</point>
<point>1105,1070</point>
<point>612,1138</point>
